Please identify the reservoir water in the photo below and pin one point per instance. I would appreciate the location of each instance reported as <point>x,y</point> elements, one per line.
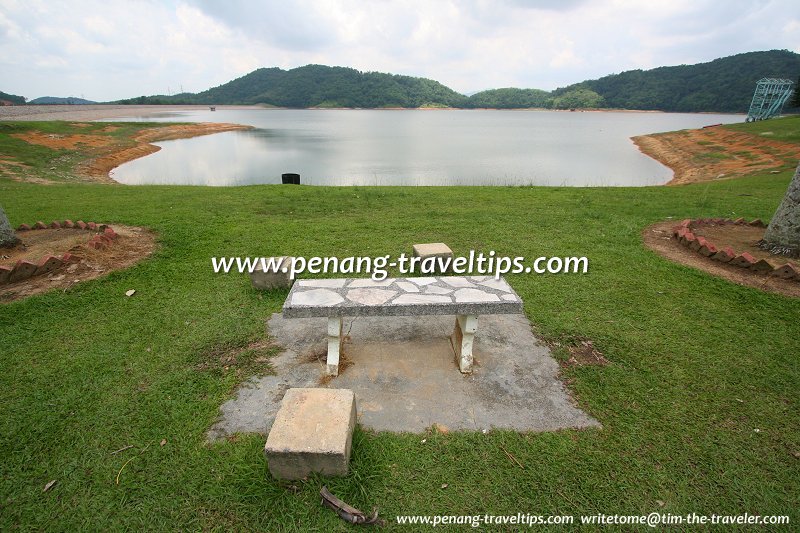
<point>413,147</point>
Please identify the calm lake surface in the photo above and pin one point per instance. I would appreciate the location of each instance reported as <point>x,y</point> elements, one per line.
<point>413,147</point>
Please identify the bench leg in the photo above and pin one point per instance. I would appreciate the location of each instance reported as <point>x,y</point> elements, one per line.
<point>462,338</point>
<point>334,345</point>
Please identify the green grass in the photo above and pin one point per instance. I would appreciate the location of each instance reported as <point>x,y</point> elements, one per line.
<point>779,129</point>
<point>711,156</point>
<point>746,155</point>
<point>697,363</point>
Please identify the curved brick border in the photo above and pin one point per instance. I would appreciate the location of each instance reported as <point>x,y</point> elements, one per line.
<point>25,269</point>
<point>684,233</point>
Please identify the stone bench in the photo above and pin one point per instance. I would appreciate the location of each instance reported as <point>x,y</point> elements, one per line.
<point>467,297</point>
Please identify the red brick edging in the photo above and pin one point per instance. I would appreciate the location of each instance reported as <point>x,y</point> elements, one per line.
<point>683,232</point>
<point>103,237</point>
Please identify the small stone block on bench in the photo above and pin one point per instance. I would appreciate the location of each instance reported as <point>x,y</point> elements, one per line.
<point>312,432</point>
<point>432,252</point>
<point>273,277</point>
<point>433,249</point>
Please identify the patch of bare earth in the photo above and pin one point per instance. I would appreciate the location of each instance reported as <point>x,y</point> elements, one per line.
<point>716,153</point>
<point>741,238</point>
<point>64,142</point>
<point>11,168</point>
<point>583,353</point>
<point>131,246</point>
<point>247,360</point>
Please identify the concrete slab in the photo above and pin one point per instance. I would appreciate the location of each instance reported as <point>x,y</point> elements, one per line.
<point>405,377</point>
<point>312,432</point>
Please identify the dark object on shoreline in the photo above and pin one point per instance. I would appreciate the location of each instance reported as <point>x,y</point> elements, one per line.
<point>292,179</point>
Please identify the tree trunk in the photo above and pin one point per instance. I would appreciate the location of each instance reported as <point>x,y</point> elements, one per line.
<point>7,236</point>
<point>783,233</point>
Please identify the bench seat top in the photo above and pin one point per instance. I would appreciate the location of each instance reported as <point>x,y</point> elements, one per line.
<point>442,295</point>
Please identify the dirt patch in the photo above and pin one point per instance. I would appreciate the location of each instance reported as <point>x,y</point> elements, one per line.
<point>247,360</point>
<point>741,238</point>
<point>716,153</point>
<point>11,167</point>
<point>64,142</point>
<point>131,246</point>
<point>584,353</point>
<point>35,244</point>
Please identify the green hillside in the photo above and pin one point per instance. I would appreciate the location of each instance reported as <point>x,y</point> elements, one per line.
<point>13,98</point>
<point>57,100</point>
<point>320,86</point>
<point>510,98</point>
<point>724,85</point>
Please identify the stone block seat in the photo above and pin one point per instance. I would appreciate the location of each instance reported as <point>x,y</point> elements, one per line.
<point>312,432</point>
<point>467,297</point>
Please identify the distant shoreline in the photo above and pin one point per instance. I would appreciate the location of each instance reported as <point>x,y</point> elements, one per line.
<point>89,112</point>
<point>84,112</point>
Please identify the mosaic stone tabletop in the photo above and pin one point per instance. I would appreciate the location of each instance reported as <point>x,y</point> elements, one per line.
<point>445,295</point>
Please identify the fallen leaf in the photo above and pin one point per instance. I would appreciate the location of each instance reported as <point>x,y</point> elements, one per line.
<point>130,292</point>
<point>444,485</point>
<point>660,503</point>
<point>163,441</point>
<point>49,486</point>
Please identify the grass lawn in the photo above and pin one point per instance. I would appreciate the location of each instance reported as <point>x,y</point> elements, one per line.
<point>698,364</point>
<point>780,129</point>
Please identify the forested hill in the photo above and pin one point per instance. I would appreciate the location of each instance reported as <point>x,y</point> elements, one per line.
<point>57,100</point>
<point>321,86</point>
<point>13,98</point>
<point>724,85</point>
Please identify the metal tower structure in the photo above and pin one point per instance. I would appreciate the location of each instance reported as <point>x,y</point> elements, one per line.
<point>768,100</point>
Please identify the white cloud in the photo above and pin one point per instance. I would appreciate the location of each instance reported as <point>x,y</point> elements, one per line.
<point>113,49</point>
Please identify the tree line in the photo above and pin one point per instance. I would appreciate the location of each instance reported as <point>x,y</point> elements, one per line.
<point>722,85</point>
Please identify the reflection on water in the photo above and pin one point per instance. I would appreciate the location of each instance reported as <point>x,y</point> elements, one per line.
<point>414,147</point>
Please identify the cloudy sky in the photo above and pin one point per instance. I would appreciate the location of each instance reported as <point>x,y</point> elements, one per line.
<point>111,49</point>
